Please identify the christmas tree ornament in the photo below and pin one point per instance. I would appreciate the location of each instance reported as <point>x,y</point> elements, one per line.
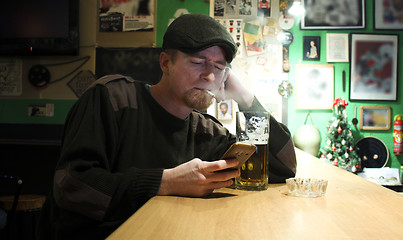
<point>339,130</point>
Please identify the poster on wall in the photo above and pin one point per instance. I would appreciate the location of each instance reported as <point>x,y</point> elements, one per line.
<point>374,67</point>
<point>10,77</point>
<point>126,15</point>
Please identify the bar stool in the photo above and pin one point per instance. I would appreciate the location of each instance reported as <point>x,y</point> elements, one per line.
<point>22,212</point>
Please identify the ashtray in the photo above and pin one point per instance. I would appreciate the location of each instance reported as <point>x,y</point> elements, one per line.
<point>306,187</point>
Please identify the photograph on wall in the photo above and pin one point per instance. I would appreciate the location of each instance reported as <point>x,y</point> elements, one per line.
<point>225,110</point>
<point>337,47</point>
<point>330,14</point>
<point>240,8</point>
<point>314,86</point>
<point>373,68</point>
<point>388,14</point>
<point>375,117</point>
<point>126,16</point>
<point>311,49</point>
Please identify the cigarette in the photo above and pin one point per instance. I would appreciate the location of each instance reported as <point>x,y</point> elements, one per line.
<point>209,93</point>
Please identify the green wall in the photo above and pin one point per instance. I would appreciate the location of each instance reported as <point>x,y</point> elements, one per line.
<point>16,111</point>
<point>321,118</point>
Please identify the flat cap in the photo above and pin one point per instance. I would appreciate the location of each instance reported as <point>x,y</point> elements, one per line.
<point>191,33</point>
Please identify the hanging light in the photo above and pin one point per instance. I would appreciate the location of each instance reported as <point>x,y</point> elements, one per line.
<point>296,9</point>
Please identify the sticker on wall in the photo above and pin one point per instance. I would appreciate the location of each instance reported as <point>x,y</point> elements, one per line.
<point>10,77</point>
<point>234,27</point>
<point>41,110</point>
<point>79,83</point>
<point>263,8</point>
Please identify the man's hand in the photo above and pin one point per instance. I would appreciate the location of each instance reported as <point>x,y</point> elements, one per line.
<point>198,178</point>
<point>232,88</point>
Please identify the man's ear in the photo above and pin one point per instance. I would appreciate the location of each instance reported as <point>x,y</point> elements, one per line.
<point>165,60</point>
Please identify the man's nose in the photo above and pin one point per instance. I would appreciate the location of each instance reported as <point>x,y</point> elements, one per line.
<point>208,72</point>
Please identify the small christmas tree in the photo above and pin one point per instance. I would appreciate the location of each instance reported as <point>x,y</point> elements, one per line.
<point>340,149</point>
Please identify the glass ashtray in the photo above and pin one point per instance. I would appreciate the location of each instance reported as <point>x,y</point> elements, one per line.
<point>306,187</point>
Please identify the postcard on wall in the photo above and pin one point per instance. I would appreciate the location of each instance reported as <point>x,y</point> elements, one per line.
<point>254,41</point>
<point>126,16</point>
<point>337,47</point>
<point>10,77</point>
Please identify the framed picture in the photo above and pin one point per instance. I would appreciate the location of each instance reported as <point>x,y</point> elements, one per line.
<point>314,86</point>
<point>225,110</point>
<point>337,47</point>
<point>388,15</point>
<point>330,14</point>
<point>373,67</point>
<point>375,118</point>
<point>311,49</point>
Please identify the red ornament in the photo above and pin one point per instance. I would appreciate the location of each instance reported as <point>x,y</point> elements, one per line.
<point>340,101</point>
<point>335,162</point>
<point>328,127</point>
<point>339,130</point>
<point>333,148</point>
<point>351,149</point>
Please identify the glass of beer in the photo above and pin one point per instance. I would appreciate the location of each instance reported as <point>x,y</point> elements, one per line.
<point>253,127</point>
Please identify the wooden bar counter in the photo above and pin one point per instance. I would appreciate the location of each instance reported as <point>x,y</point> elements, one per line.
<point>353,208</point>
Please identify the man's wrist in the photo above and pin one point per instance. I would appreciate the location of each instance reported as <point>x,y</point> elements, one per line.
<point>246,101</point>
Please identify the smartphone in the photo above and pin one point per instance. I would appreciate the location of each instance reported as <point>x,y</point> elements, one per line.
<point>240,151</point>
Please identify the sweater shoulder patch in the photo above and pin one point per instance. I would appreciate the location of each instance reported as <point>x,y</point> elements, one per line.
<point>122,91</point>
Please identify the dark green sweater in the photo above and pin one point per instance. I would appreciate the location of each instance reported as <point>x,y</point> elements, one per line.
<point>116,143</point>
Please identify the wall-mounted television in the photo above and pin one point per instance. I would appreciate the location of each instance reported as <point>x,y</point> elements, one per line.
<point>39,28</point>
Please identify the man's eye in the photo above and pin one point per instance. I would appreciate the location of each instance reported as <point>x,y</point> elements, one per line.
<point>197,62</point>
<point>220,67</point>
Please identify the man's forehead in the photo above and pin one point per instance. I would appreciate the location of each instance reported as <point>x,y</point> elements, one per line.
<point>208,55</point>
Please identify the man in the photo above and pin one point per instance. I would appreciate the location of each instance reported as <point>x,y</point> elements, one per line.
<point>125,142</point>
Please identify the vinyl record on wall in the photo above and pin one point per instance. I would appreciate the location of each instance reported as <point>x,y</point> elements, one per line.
<point>373,152</point>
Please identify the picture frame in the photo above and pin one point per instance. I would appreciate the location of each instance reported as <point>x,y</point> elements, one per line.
<point>375,117</point>
<point>343,14</point>
<point>225,110</point>
<point>387,16</point>
<point>337,47</point>
<point>314,86</point>
<point>373,67</point>
<point>311,48</point>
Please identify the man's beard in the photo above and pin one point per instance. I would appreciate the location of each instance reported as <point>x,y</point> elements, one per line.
<point>197,100</point>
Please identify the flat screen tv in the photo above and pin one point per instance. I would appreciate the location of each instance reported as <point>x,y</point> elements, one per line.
<point>39,28</point>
